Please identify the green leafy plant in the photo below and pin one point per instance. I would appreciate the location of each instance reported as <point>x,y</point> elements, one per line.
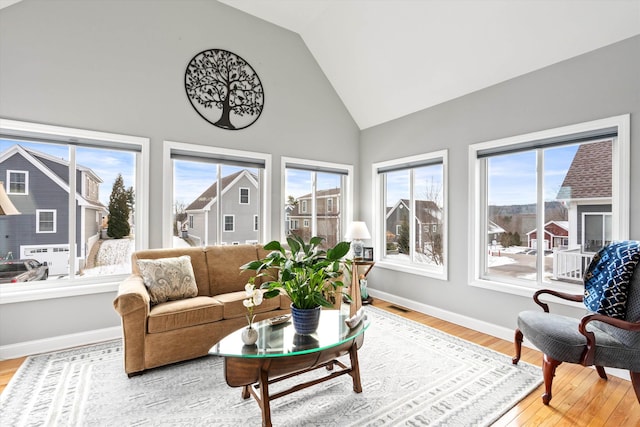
<point>304,272</point>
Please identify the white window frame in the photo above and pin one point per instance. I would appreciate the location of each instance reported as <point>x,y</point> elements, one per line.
<point>26,183</point>
<point>32,291</point>
<point>346,216</point>
<point>198,149</point>
<point>329,204</point>
<point>256,222</point>
<point>240,196</point>
<point>305,223</point>
<point>621,154</point>
<point>379,217</point>
<point>39,221</point>
<point>224,223</point>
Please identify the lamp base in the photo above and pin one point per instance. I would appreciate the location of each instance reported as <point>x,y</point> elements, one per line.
<point>358,248</point>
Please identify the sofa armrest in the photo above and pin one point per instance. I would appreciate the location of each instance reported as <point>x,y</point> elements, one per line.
<point>132,303</point>
<point>132,296</point>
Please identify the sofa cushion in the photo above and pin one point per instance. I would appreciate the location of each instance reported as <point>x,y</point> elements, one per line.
<point>183,314</point>
<point>168,278</point>
<point>233,307</point>
<point>198,263</point>
<point>224,267</point>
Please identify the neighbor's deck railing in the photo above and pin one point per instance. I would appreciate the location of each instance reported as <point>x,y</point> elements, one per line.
<point>570,265</point>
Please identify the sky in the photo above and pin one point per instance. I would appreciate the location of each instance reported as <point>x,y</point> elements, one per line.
<point>104,163</point>
<point>511,181</point>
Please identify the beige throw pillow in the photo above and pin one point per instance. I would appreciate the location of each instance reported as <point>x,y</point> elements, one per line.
<point>168,278</point>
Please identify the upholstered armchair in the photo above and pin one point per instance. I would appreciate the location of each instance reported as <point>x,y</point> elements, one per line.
<point>597,339</point>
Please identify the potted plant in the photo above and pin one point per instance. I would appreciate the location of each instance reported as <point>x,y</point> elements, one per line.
<point>303,273</point>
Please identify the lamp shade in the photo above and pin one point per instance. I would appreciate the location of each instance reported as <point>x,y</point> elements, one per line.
<point>357,230</point>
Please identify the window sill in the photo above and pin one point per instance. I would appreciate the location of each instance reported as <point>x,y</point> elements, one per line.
<point>412,269</point>
<point>528,291</point>
<point>25,292</point>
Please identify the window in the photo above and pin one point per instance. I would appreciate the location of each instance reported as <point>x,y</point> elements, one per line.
<point>220,191</point>
<point>46,221</point>
<point>329,205</point>
<point>17,182</point>
<point>64,195</point>
<point>308,186</point>
<point>410,217</point>
<point>543,203</point>
<point>244,196</point>
<point>229,223</point>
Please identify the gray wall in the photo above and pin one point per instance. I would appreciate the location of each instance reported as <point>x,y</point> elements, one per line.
<point>599,84</point>
<point>118,66</point>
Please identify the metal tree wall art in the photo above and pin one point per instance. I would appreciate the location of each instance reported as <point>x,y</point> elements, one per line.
<point>224,89</point>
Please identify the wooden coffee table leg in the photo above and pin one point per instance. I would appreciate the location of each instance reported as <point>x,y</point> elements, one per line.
<point>264,397</point>
<point>355,369</point>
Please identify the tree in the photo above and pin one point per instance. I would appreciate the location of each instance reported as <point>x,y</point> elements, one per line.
<point>119,210</point>
<point>220,79</point>
<point>403,238</point>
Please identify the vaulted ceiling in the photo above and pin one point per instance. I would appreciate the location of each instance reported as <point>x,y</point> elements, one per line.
<point>389,58</point>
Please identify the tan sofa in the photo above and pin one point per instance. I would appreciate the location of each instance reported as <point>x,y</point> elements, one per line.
<point>173,331</point>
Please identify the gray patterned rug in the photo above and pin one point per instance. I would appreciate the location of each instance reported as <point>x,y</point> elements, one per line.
<point>411,375</point>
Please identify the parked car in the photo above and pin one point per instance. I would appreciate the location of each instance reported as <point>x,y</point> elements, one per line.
<point>22,270</point>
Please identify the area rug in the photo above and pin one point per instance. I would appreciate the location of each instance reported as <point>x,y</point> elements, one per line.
<point>411,375</point>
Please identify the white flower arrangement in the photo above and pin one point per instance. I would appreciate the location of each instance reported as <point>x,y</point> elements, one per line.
<point>254,298</point>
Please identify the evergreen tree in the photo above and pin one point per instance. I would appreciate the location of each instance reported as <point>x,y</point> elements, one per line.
<point>119,210</point>
<point>403,238</point>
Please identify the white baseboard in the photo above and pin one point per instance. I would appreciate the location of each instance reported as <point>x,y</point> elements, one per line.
<point>27,348</point>
<point>469,322</point>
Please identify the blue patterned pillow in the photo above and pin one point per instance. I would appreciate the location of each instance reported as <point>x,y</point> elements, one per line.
<point>606,282</point>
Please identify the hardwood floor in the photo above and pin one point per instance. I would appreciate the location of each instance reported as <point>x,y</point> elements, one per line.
<point>580,397</point>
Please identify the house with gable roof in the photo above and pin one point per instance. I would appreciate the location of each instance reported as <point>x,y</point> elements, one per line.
<point>239,207</point>
<point>586,192</point>
<point>427,215</point>
<point>327,206</point>
<point>38,186</point>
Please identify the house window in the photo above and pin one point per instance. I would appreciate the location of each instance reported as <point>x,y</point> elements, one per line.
<point>17,182</point>
<point>70,227</point>
<point>244,196</point>
<point>596,231</point>
<point>412,195</point>
<point>329,205</point>
<point>45,221</point>
<point>207,181</point>
<point>229,223</point>
<point>570,183</point>
<point>308,185</point>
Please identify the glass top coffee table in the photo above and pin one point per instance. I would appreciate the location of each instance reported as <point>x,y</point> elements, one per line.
<point>280,353</point>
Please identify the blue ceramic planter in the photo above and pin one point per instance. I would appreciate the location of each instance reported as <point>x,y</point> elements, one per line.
<point>305,321</point>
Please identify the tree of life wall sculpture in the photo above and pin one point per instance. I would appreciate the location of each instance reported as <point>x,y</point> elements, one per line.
<point>224,89</point>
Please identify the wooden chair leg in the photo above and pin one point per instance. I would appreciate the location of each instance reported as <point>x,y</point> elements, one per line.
<point>635,382</point>
<point>549,366</point>
<point>601,372</point>
<point>517,341</point>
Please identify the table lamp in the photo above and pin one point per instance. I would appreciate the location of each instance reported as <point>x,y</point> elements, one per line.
<point>356,232</point>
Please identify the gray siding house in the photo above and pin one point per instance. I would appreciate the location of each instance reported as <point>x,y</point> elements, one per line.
<point>38,185</point>
<point>239,209</point>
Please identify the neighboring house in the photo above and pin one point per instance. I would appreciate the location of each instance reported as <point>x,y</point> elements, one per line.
<point>428,217</point>
<point>38,185</point>
<point>556,236</point>
<point>327,216</point>
<point>586,192</point>
<point>239,209</point>
<point>494,231</point>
